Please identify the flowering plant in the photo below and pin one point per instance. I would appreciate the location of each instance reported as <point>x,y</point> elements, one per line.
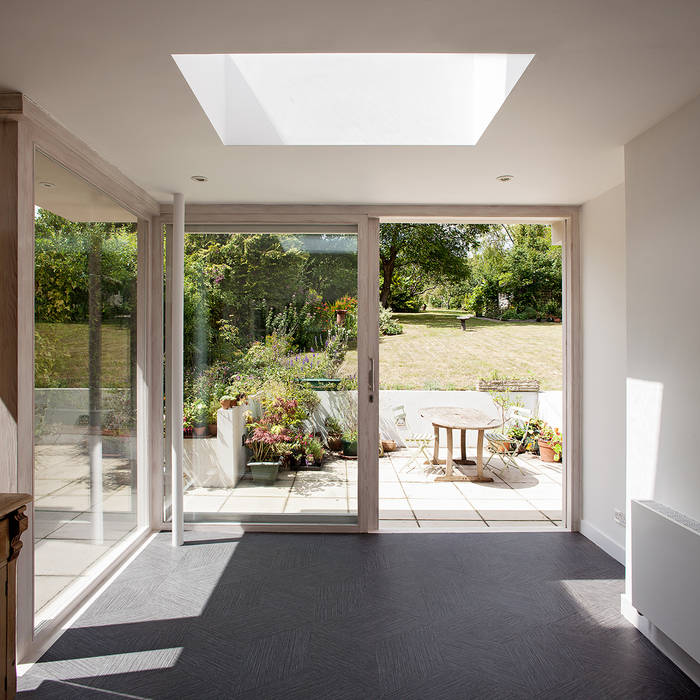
<point>267,440</point>
<point>553,438</point>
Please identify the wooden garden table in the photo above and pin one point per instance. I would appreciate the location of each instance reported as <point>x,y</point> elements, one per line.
<point>455,418</point>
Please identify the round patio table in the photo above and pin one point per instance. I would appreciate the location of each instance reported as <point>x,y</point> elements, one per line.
<point>455,418</point>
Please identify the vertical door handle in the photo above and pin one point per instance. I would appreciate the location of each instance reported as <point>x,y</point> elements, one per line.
<point>371,379</point>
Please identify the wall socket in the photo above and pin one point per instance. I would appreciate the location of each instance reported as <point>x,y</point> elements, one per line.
<point>620,518</point>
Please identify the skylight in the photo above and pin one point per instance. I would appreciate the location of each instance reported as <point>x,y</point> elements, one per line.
<point>381,99</point>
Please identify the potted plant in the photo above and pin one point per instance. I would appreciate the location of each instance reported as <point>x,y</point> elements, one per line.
<point>199,416</point>
<point>314,453</point>
<point>267,442</point>
<point>335,433</point>
<point>226,401</point>
<point>516,433</point>
<point>349,443</point>
<point>340,316</point>
<point>211,417</point>
<point>550,442</point>
<point>237,391</point>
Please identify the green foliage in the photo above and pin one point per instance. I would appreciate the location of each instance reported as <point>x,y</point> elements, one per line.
<point>422,254</point>
<point>196,413</point>
<point>333,427</point>
<point>405,293</point>
<point>61,268</point>
<point>388,325</point>
<point>301,320</point>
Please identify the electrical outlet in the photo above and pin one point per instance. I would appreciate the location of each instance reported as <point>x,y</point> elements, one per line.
<point>620,518</point>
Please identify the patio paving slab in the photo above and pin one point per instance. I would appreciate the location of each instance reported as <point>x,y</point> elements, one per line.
<point>323,506</point>
<point>394,509</point>
<point>443,509</point>
<point>433,490</point>
<point>262,505</point>
<point>48,587</point>
<point>249,489</point>
<point>391,490</point>
<point>398,525</point>
<point>66,558</point>
<point>203,504</point>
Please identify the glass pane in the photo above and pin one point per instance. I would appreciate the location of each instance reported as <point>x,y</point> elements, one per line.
<point>470,376</point>
<point>85,370</point>
<point>270,377</point>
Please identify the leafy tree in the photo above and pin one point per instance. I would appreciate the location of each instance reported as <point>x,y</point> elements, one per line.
<point>422,255</point>
<point>61,268</point>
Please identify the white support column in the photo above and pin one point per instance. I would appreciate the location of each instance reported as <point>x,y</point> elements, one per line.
<point>176,365</point>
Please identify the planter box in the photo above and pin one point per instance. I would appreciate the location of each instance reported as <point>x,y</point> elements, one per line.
<point>349,447</point>
<point>264,472</point>
<point>509,385</point>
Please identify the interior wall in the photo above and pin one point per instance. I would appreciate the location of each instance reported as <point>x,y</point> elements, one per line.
<point>663,334</point>
<point>662,169</point>
<point>603,312</point>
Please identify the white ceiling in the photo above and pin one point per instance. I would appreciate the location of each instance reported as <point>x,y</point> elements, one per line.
<point>604,71</point>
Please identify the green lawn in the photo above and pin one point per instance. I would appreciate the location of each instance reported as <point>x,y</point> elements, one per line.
<point>68,347</point>
<point>434,353</point>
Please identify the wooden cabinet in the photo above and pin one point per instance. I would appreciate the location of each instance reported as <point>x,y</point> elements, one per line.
<point>13,522</point>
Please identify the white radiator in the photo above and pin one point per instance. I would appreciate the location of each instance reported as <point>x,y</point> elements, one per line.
<point>665,570</point>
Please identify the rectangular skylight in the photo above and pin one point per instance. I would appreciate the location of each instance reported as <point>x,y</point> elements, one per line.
<point>380,99</point>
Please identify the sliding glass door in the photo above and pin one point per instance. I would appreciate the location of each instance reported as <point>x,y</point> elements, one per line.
<point>270,354</point>
<point>85,377</point>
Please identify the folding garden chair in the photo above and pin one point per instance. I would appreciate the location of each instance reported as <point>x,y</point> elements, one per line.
<point>506,448</point>
<point>419,443</point>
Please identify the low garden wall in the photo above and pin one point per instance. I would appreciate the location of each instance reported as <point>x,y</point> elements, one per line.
<point>544,404</point>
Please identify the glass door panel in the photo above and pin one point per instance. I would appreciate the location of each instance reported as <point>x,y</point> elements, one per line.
<point>270,376</point>
<point>85,477</point>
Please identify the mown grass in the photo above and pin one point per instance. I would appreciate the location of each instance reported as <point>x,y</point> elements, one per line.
<point>434,353</point>
<point>66,354</point>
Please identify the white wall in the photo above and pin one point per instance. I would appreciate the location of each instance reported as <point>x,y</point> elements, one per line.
<point>663,326</point>
<point>663,309</point>
<point>603,297</point>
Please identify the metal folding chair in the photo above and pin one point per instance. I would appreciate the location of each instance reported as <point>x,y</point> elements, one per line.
<point>419,443</point>
<point>504,447</point>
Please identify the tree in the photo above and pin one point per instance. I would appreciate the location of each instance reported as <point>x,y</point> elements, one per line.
<point>420,256</point>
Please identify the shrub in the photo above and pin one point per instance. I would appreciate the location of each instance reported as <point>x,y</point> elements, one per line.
<point>388,325</point>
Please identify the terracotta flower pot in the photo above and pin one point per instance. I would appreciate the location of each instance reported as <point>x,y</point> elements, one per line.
<point>225,403</point>
<point>200,430</point>
<point>546,451</point>
<point>340,315</point>
<point>335,444</point>
<point>212,429</point>
<point>388,445</point>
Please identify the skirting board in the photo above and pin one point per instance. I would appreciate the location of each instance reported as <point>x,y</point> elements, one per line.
<point>662,642</point>
<point>607,544</point>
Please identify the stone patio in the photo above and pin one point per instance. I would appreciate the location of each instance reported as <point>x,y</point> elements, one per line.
<point>409,497</point>
<point>64,523</point>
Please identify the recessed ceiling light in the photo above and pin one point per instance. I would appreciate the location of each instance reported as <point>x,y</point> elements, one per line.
<point>199,178</point>
<point>48,185</point>
<point>505,178</point>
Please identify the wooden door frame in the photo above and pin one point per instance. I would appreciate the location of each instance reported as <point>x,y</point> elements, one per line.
<point>564,217</point>
<point>367,229</point>
<point>37,131</point>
